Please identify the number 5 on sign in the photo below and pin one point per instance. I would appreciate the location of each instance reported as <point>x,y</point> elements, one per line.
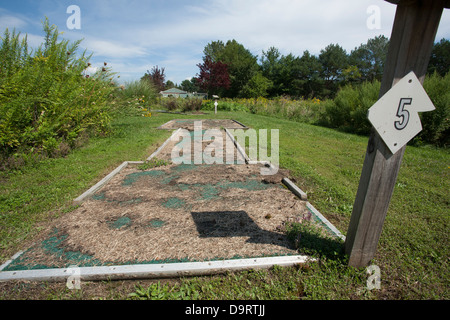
<point>396,115</point>
<point>404,114</point>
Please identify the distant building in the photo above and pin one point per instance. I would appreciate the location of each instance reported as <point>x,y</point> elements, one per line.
<point>177,93</point>
<point>174,92</point>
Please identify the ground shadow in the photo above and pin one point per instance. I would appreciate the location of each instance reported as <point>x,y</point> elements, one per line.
<point>236,224</point>
<point>310,242</point>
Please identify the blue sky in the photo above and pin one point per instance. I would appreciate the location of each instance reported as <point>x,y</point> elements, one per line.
<point>135,35</point>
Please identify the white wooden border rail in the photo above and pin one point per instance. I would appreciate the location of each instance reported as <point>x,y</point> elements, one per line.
<point>149,271</point>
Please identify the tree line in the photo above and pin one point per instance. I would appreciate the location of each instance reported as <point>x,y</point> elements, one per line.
<point>231,70</point>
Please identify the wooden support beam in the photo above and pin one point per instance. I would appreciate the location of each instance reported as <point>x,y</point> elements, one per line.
<point>412,39</point>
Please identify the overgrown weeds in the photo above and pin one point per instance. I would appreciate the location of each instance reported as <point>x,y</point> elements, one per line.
<point>138,90</point>
<point>47,99</point>
<point>153,163</point>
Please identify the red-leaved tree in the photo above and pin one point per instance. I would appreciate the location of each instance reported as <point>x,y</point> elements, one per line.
<point>213,76</point>
<point>157,77</point>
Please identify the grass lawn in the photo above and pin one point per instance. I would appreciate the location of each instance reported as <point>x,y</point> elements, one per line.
<point>412,252</point>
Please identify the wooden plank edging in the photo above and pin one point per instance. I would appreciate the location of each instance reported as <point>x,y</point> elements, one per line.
<point>149,271</point>
<point>100,184</point>
<point>158,151</point>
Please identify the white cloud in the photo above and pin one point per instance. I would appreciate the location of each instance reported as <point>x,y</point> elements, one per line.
<point>292,26</point>
<point>133,36</point>
<point>177,43</point>
<point>11,22</point>
<point>33,40</point>
<point>106,48</point>
<point>91,70</point>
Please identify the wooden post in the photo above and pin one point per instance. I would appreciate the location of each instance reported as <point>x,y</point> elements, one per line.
<point>412,39</point>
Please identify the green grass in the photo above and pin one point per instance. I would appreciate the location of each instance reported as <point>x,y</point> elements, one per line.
<point>277,283</point>
<point>412,253</point>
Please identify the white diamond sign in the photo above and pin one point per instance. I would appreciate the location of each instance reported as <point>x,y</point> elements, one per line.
<point>395,116</point>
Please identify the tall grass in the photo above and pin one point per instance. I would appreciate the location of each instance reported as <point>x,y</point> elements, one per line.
<point>225,105</point>
<point>301,110</point>
<point>188,104</point>
<point>138,89</point>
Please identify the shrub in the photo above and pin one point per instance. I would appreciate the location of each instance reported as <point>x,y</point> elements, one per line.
<point>348,112</point>
<point>170,103</point>
<point>46,102</point>
<point>191,104</point>
<point>134,99</point>
<point>436,124</point>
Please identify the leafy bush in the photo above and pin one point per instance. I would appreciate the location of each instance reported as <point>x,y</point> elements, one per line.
<point>348,112</point>
<point>46,102</point>
<point>191,104</point>
<point>188,104</point>
<point>436,124</point>
<point>183,104</point>
<point>170,103</point>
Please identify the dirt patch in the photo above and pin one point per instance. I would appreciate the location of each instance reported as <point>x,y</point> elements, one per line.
<point>175,212</point>
<point>215,147</point>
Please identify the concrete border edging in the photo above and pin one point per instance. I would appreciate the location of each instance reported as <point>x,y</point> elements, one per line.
<point>243,125</point>
<point>303,196</point>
